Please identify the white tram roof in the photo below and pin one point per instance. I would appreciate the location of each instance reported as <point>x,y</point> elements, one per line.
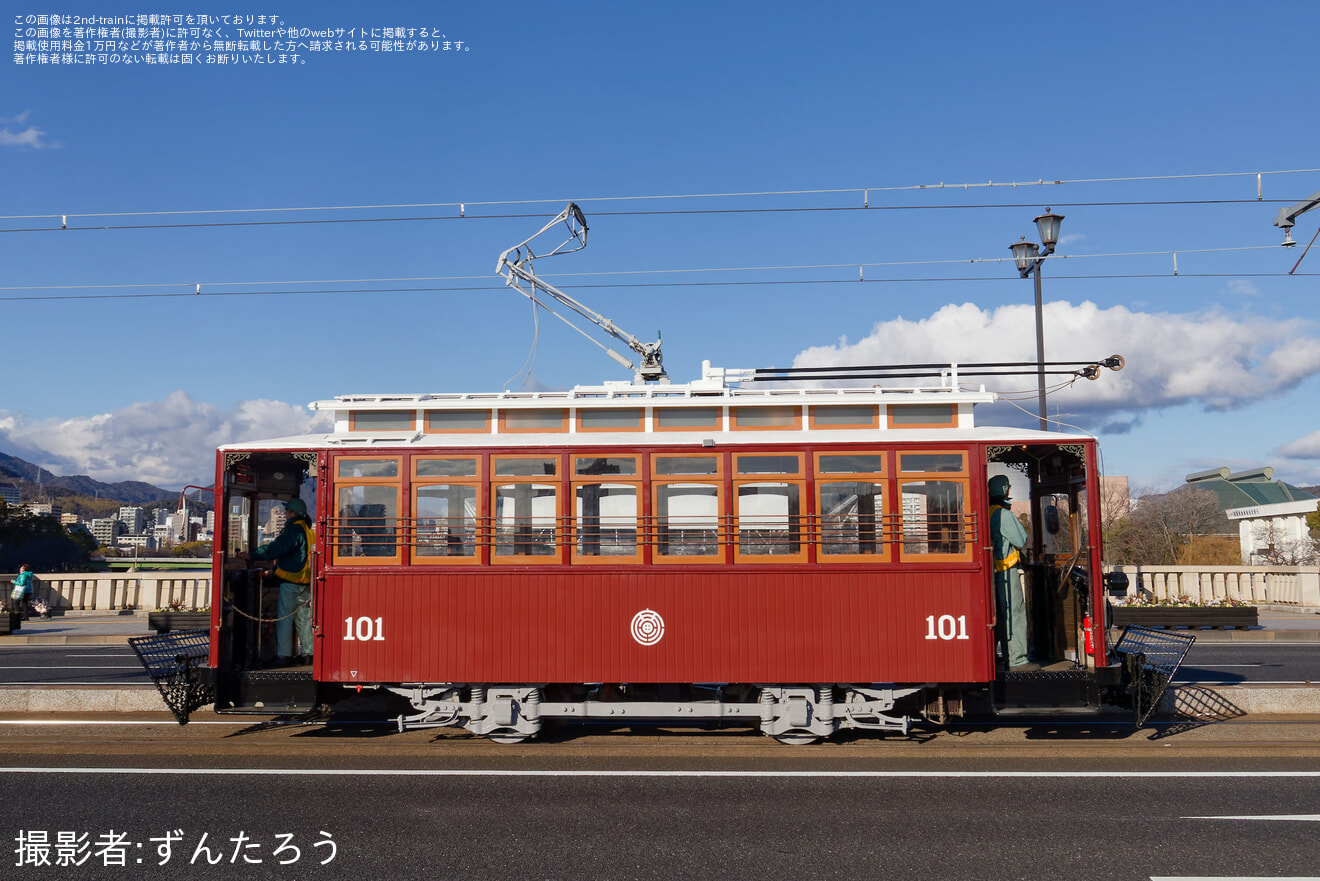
<point>716,389</point>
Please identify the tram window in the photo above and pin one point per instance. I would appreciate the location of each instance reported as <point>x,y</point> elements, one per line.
<point>454,421</point>
<point>446,524</point>
<point>614,419</point>
<point>606,523</point>
<point>933,516</point>
<point>368,468</point>
<point>931,463</point>
<point>532,420</point>
<point>687,418</point>
<point>769,464</point>
<point>922,415</point>
<point>588,465</point>
<point>382,420</point>
<point>526,515</point>
<point>687,465</point>
<point>766,417</point>
<point>526,467</point>
<point>445,467</point>
<point>851,514</point>
<point>687,520</point>
<point>843,417</point>
<point>367,520</point>
<point>769,519</point>
<point>856,464</point>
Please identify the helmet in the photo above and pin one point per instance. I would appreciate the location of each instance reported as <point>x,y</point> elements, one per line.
<point>999,487</point>
<point>296,506</point>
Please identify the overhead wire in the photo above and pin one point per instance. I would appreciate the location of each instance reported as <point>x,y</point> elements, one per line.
<point>461,205</point>
<point>644,285</point>
<point>633,272</point>
<point>679,212</point>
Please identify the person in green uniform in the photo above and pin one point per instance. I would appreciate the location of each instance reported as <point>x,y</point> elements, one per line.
<point>292,552</point>
<point>1007,538</point>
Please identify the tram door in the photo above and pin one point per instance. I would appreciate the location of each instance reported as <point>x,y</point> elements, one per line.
<point>1049,497</point>
<point>256,488</point>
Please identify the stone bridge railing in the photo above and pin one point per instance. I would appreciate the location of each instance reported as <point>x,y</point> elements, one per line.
<point>119,591</point>
<point>1297,586</point>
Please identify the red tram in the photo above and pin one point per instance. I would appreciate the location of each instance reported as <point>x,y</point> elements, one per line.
<point>802,559</point>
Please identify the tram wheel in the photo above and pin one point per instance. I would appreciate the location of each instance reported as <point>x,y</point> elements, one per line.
<point>796,738</point>
<point>508,735</point>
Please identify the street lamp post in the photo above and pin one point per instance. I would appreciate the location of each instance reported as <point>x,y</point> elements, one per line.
<point>1030,257</point>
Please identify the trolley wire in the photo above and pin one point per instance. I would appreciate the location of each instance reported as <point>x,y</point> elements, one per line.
<point>644,285</point>
<point>461,205</point>
<point>678,212</point>
<point>860,265</point>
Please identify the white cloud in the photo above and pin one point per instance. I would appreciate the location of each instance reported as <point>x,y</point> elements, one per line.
<point>1243,287</point>
<point>1210,359</point>
<point>1071,239</point>
<point>1303,448</point>
<point>29,137</point>
<point>167,443</point>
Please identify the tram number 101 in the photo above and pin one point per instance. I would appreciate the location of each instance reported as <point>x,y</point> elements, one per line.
<point>945,627</point>
<point>363,629</point>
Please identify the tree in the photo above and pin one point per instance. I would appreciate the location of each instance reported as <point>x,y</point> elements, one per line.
<point>39,540</point>
<point>1160,527</point>
<point>1273,547</point>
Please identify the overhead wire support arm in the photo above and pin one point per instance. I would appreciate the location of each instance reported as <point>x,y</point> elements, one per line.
<point>1086,369</point>
<point>515,265</point>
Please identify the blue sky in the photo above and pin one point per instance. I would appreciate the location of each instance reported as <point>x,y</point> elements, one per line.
<point>595,101</point>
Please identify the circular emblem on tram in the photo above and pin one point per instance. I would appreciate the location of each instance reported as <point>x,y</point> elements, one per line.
<point>647,627</point>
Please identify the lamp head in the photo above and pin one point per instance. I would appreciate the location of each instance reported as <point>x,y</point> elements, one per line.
<point>1024,254</point>
<point>1048,224</point>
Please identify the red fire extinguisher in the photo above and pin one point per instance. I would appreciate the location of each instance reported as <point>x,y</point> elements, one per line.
<point>1090,639</point>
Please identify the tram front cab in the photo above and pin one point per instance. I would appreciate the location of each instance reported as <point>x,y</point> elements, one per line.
<point>255,488</point>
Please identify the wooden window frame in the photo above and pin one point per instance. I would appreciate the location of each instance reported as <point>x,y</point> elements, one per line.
<point>563,420</point>
<point>719,558</point>
<point>400,526</point>
<point>804,519</point>
<point>353,415</point>
<point>896,426</point>
<point>657,418</point>
<point>583,429</point>
<point>427,429</point>
<point>493,484</point>
<point>813,409</point>
<point>821,477</point>
<point>636,482</point>
<point>796,424</point>
<point>477,482</point>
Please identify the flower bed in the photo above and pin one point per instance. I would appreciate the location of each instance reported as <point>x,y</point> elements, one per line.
<point>168,619</point>
<point>1220,614</point>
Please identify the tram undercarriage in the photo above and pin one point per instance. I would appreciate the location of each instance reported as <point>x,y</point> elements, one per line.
<point>793,714</point>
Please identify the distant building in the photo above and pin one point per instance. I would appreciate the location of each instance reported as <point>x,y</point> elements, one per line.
<point>106,531</point>
<point>45,509</point>
<point>1270,514</point>
<point>68,519</point>
<point>9,493</point>
<point>133,519</point>
<point>143,542</point>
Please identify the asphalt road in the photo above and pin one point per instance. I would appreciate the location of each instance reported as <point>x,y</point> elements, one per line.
<point>558,819</point>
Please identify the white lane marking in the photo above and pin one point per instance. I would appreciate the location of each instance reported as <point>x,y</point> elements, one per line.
<point>1310,818</point>
<point>472,772</point>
